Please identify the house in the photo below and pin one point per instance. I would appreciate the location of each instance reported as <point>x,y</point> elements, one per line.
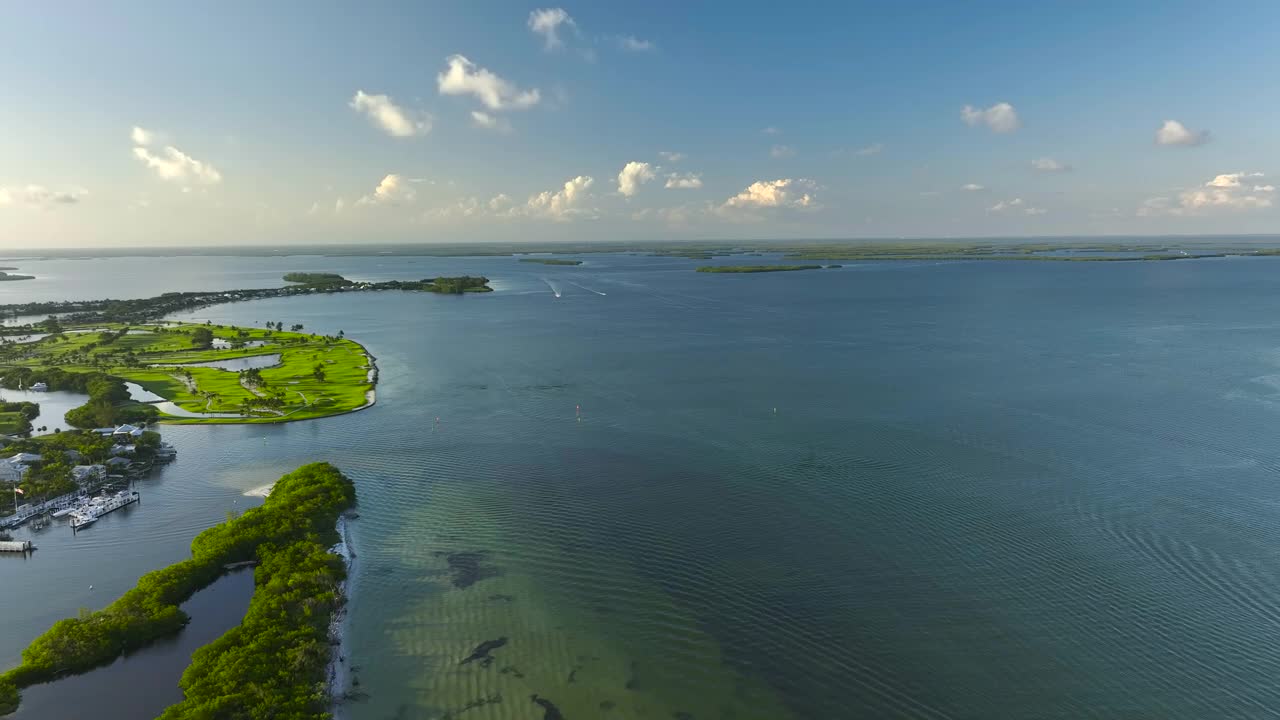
<point>126,432</point>
<point>14,468</point>
<point>82,473</point>
<point>123,449</point>
<point>26,459</point>
<point>118,463</point>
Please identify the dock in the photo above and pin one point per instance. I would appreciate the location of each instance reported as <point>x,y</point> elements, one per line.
<point>21,546</point>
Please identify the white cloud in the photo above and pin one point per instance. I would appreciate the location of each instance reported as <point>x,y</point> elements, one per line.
<point>142,136</point>
<point>634,44</point>
<point>1226,192</point>
<point>632,175</point>
<point>339,205</point>
<point>1231,180</point>
<point>391,118</point>
<point>779,152</point>
<point>39,196</point>
<point>672,157</point>
<point>1049,165</point>
<point>1175,133</point>
<point>999,118</point>
<point>783,193</point>
<point>489,121</point>
<point>771,130</point>
<point>873,149</point>
<point>463,77</point>
<point>972,187</point>
<point>547,21</point>
<point>687,181</point>
<point>392,190</point>
<point>173,164</point>
<point>564,204</point>
<point>1006,205</point>
<point>1035,211</point>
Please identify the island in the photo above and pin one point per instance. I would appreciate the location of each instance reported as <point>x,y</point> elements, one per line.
<point>550,261</point>
<point>755,268</point>
<point>197,373</point>
<point>4,276</point>
<point>298,586</point>
<point>316,278</point>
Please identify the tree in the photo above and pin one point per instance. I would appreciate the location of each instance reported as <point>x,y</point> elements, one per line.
<point>318,372</point>
<point>202,338</point>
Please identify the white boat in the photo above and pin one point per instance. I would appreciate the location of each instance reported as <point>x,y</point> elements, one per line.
<point>83,518</point>
<point>40,387</point>
<point>65,511</point>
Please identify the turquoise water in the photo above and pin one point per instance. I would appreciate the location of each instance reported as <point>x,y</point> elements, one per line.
<point>919,490</point>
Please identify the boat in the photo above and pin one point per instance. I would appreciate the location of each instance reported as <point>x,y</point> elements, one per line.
<point>65,511</point>
<point>83,518</point>
<point>40,387</point>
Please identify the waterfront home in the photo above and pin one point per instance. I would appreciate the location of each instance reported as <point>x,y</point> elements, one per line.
<point>118,463</point>
<point>14,468</point>
<point>125,432</point>
<point>123,449</point>
<point>83,473</point>
<point>40,387</point>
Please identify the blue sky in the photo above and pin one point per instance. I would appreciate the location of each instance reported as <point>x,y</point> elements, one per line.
<point>282,123</point>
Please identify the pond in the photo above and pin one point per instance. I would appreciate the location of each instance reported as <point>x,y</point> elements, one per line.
<point>141,394</point>
<point>143,684</point>
<point>221,344</point>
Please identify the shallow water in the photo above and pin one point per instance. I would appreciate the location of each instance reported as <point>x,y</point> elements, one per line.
<point>236,364</point>
<point>927,490</point>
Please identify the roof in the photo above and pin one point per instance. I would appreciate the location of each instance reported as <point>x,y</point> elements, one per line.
<point>125,430</point>
<point>118,461</point>
<point>23,458</point>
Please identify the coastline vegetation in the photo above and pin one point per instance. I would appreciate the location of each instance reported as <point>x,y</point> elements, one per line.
<point>316,278</point>
<point>6,276</point>
<point>550,261</point>
<point>755,268</point>
<point>273,663</point>
<point>16,417</point>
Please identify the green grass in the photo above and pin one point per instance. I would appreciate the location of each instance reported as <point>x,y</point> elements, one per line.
<point>345,365</point>
<point>12,423</point>
<point>755,268</point>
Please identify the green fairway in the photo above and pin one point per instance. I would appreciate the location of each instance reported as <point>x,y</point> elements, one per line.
<point>316,375</point>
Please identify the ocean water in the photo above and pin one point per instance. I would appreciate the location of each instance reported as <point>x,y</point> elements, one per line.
<point>916,490</point>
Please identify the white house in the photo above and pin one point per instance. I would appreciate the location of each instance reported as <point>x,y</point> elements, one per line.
<point>14,468</point>
<point>81,473</point>
<point>125,432</point>
<point>123,449</point>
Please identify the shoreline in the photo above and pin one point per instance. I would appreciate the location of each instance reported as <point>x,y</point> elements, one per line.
<point>338,677</point>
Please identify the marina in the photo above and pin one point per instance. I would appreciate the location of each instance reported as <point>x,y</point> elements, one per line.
<point>88,513</point>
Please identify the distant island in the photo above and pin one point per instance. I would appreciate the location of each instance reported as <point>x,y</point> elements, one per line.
<point>755,268</point>
<point>6,276</point>
<point>551,261</point>
<point>314,278</point>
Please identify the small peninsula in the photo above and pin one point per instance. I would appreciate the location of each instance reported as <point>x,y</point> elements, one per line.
<point>316,278</point>
<point>755,268</point>
<point>297,589</point>
<point>5,277</point>
<point>550,261</point>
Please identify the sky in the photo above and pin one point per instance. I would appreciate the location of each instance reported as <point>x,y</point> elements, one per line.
<point>238,123</point>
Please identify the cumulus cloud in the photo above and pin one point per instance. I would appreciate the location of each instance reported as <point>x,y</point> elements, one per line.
<point>873,149</point>
<point>564,204</point>
<point>489,121</point>
<point>1175,133</point>
<point>687,181</point>
<point>39,196</point>
<point>672,157</point>
<point>391,118</point>
<point>633,175</point>
<point>547,22</point>
<point>779,152</point>
<point>170,163</point>
<point>1227,192</point>
<point>463,77</point>
<point>634,44</point>
<point>972,187</point>
<point>393,189</point>
<point>1013,205</point>
<point>999,118</point>
<point>771,130</point>
<point>1049,165</point>
<point>782,193</point>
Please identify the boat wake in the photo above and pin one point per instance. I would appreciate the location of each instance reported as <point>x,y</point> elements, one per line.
<point>587,288</point>
<point>555,290</point>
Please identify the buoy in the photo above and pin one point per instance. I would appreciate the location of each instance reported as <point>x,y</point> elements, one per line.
<point>90,587</point>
